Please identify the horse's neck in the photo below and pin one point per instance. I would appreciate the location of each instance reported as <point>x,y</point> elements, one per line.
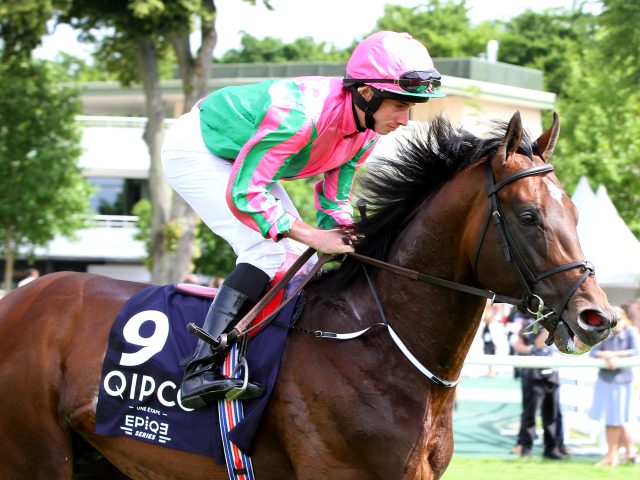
<point>437,324</point>
<point>378,390</point>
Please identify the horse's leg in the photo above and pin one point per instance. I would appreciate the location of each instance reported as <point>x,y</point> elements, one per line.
<point>33,445</point>
<point>90,464</point>
<point>34,441</point>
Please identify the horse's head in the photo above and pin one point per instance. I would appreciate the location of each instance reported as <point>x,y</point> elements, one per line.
<point>532,228</point>
<point>483,212</point>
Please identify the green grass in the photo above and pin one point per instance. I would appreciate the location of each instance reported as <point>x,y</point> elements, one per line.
<point>534,468</point>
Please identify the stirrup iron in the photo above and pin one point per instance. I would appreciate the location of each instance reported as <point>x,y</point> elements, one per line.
<point>237,392</point>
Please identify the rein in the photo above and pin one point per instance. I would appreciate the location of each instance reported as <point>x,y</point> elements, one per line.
<point>426,278</point>
<point>511,252</point>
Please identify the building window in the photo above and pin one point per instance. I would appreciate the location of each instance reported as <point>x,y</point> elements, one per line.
<point>117,196</point>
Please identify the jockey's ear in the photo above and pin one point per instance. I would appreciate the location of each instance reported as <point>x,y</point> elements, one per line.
<point>546,143</point>
<point>512,139</point>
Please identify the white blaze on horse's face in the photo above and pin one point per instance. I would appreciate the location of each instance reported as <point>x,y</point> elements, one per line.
<point>556,193</point>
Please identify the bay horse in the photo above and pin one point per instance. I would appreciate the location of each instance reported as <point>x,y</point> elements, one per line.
<point>485,215</point>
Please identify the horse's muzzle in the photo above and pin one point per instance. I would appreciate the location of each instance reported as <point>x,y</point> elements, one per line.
<point>590,327</point>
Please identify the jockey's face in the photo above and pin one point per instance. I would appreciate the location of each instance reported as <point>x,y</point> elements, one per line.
<point>391,115</point>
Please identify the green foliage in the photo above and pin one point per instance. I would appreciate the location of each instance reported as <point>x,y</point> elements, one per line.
<point>443,26</point>
<point>274,50</point>
<point>301,194</point>
<point>215,257</point>
<point>127,22</point>
<point>620,42</point>
<point>43,192</point>
<point>22,25</point>
<point>548,41</point>
<point>601,130</point>
<point>142,209</point>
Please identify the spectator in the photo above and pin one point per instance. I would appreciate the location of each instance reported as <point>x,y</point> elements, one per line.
<point>540,389</point>
<point>613,394</point>
<point>32,274</point>
<point>632,309</point>
<point>489,320</point>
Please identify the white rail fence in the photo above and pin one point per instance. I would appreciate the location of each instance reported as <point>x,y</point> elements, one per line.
<point>577,379</point>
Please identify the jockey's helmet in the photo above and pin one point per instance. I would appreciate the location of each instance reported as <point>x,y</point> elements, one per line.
<point>395,65</point>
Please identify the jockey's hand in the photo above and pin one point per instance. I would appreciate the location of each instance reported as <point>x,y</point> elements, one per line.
<point>325,241</point>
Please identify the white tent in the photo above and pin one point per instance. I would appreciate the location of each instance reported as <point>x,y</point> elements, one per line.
<point>608,243</point>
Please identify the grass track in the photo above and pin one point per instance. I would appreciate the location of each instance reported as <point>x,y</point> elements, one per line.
<point>534,468</point>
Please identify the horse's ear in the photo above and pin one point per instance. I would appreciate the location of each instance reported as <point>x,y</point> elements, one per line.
<point>547,141</point>
<point>512,138</point>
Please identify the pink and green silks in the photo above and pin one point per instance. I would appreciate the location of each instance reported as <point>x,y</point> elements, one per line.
<point>282,130</point>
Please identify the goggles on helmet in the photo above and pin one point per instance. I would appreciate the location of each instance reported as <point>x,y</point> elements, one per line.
<point>413,82</point>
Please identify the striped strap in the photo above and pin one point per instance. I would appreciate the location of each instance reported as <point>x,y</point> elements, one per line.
<point>231,413</point>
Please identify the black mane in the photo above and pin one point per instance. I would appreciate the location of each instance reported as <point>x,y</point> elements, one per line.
<point>394,187</point>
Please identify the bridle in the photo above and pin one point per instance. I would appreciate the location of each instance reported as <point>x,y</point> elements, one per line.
<point>512,253</point>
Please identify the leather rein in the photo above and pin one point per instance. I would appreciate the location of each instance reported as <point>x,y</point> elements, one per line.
<point>511,251</point>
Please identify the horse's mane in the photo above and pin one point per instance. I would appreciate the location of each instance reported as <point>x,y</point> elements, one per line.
<point>393,188</point>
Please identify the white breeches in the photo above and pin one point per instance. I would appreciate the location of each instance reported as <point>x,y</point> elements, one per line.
<point>201,178</point>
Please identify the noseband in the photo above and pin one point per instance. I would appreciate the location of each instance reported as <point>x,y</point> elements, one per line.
<point>513,254</point>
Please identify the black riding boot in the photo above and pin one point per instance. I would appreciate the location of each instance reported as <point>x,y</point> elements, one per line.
<point>203,383</point>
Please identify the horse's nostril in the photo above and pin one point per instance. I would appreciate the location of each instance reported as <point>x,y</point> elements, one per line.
<point>593,318</point>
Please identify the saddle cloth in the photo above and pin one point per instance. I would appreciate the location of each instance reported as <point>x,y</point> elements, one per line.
<point>141,373</point>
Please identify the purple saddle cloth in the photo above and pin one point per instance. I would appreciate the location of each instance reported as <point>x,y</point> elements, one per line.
<point>141,374</point>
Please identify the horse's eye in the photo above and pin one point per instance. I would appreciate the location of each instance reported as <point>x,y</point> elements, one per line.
<point>527,218</point>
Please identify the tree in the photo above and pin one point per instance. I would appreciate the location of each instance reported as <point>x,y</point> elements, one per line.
<point>547,41</point>
<point>601,115</point>
<point>620,40</point>
<point>43,192</point>
<point>22,25</point>
<point>274,50</point>
<point>443,26</point>
<point>143,31</point>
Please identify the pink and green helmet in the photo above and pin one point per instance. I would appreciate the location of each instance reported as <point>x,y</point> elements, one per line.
<point>396,65</point>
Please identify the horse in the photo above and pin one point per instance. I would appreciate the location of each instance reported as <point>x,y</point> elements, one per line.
<point>451,221</point>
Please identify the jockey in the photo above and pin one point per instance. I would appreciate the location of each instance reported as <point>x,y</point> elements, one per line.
<point>226,156</point>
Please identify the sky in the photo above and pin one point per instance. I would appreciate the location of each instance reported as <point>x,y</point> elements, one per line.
<point>337,22</point>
